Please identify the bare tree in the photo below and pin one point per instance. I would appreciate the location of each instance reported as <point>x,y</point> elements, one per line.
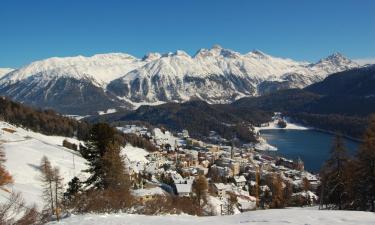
<point>58,189</point>
<point>47,178</point>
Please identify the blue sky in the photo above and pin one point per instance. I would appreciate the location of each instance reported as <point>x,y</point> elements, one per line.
<point>299,29</point>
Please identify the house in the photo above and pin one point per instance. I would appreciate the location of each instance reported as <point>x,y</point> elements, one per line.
<point>144,195</point>
<point>184,190</point>
<point>240,181</point>
<point>220,189</point>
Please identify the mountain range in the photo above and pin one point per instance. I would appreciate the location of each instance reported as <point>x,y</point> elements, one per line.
<point>85,85</point>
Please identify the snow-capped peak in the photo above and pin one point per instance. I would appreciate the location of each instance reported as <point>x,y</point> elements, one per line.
<point>4,71</point>
<point>102,68</point>
<point>216,75</point>
<point>217,51</point>
<point>181,53</point>
<point>151,56</point>
<point>336,58</point>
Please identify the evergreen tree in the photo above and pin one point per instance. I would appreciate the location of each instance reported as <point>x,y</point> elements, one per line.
<point>365,173</point>
<point>334,175</point>
<point>114,168</point>
<point>100,138</point>
<point>74,188</point>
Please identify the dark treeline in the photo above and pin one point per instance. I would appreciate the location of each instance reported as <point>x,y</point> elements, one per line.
<point>198,117</point>
<point>140,142</point>
<point>340,113</point>
<point>351,126</point>
<point>347,182</point>
<point>44,121</point>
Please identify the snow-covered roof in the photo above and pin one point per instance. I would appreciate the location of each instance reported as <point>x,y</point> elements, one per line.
<point>222,186</point>
<point>240,179</point>
<point>184,188</point>
<point>148,191</point>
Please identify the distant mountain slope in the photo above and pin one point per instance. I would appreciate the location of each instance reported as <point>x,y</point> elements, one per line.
<point>198,117</point>
<point>219,75</point>
<point>356,82</point>
<point>85,85</point>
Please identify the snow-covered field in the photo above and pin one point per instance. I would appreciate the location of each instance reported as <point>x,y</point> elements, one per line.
<point>289,126</point>
<point>24,150</point>
<point>294,216</point>
<point>135,154</point>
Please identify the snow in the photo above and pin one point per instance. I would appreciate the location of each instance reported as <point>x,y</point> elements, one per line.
<point>102,68</point>
<point>262,145</point>
<point>165,138</point>
<point>109,111</point>
<point>175,72</point>
<point>211,74</point>
<point>135,154</point>
<point>24,150</point>
<point>289,126</point>
<point>292,216</point>
<point>148,192</point>
<point>4,71</point>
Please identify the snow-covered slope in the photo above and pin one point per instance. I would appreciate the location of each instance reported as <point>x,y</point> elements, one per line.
<point>4,71</point>
<point>293,216</point>
<point>24,150</point>
<point>108,81</point>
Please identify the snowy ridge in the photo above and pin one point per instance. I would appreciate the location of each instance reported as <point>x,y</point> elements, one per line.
<point>101,67</point>
<point>219,75</point>
<point>4,71</point>
<point>215,75</point>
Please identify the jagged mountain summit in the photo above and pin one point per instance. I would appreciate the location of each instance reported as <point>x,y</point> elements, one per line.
<point>83,85</point>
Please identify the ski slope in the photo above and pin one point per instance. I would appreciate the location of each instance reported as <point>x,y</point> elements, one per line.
<point>24,150</point>
<point>293,216</point>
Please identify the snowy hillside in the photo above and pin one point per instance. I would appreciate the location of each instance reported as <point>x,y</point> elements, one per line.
<point>83,85</point>
<point>24,150</point>
<point>294,216</point>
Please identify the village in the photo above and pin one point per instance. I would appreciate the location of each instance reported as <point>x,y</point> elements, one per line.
<point>240,176</point>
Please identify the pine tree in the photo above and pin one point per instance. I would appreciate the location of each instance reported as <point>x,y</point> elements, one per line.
<point>114,169</point>
<point>74,188</point>
<point>365,175</point>
<point>101,136</point>
<point>334,174</point>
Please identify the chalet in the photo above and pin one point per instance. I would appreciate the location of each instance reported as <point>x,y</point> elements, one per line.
<point>184,190</point>
<point>144,195</point>
<point>220,189</point>
<point>240,181</point>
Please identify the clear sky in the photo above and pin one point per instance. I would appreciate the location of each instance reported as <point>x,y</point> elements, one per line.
<point>299,29</point>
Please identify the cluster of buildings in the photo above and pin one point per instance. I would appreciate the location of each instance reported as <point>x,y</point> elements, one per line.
<point>230,170</point>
